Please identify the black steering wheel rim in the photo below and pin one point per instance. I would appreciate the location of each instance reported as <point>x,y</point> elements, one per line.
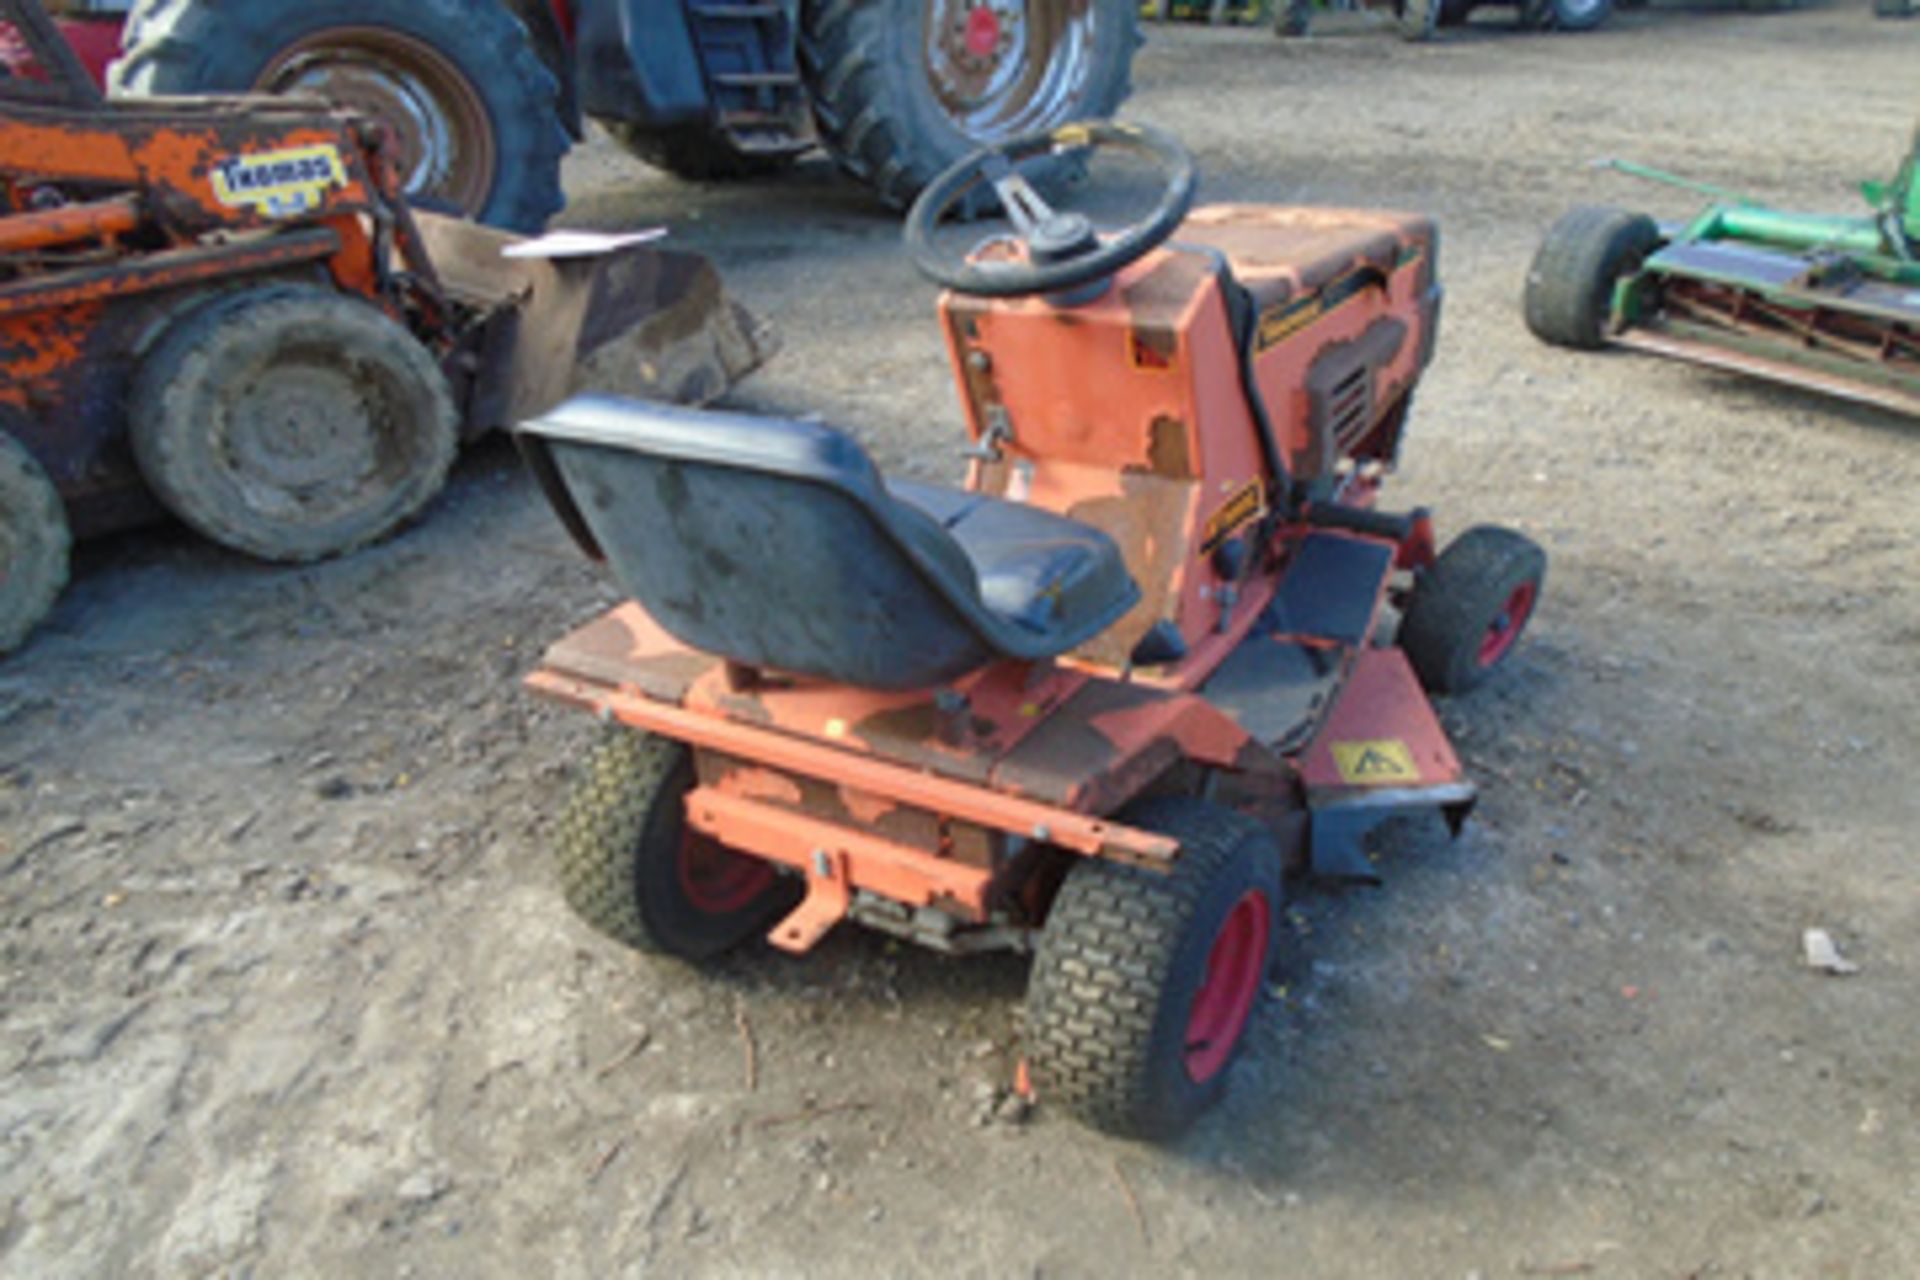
<point>1022,279</point>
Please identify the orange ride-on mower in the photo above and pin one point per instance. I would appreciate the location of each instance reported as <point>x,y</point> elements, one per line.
<point>1097,705</point>
<point>222,308</point>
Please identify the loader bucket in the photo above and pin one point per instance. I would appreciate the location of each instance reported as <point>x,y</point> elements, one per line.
<point>665,325</point>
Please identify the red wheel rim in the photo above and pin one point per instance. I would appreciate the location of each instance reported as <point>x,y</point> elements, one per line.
<point>717,880</point>
<point>1235,967</point>
<point>1506,628</point>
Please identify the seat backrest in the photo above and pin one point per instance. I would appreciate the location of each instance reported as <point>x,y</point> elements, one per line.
<point>767,541</point>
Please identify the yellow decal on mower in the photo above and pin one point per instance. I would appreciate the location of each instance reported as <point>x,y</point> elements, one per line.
<point>1377,763</point>
<point>279,184</point>
<point>1245,506</point>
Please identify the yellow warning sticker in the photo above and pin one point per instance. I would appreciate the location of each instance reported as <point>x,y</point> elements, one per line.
<point>1381,762</point>
<point>1245,506</point>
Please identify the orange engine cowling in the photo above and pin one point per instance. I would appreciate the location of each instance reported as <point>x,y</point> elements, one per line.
<point>1256,358</point>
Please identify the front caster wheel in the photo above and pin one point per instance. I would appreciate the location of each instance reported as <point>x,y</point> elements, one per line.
<point>631,867</point>
<point>1145,982</point>
<point>1468,611</point>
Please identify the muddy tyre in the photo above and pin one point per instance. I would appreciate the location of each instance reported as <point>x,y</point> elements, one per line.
<point>1144,983</point>
<point>697,155</point>
<point>1467,613</point>
<point>895,108</point>
<point>474,112</point>
<point>291,423</point>
<point>631,867</point>
<point>1568,299</point>
<point>34,544</point>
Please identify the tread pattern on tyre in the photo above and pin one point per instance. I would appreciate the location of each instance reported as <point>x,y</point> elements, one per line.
<point>1570,283</point>
<point>161,406</point>
<point>32,577</point>
<point>1454,600</point>
<point>843,57</point>
<point>600,830</point>
<point>165,49</point>
<point>1102,971</point>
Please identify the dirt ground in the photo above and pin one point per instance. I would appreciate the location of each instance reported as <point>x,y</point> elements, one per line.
<point>289,991</point>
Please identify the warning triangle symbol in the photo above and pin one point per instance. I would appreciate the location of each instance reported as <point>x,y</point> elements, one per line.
<point>1374,761</point>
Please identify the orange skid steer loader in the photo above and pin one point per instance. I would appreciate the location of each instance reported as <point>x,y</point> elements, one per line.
<point>223,309</point>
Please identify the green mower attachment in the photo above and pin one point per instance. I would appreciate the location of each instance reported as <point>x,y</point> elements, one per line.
<point>1829,302</point>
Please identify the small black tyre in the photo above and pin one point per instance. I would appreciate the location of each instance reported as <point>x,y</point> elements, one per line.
<point>1468,611</point>
<point>632,868</point>
<point>695,154</point>
<point>1568,299</point>
<point>34,544</point>
<point>473,110</point>
<point>1144,982</point>
<point>895,108</point>
<point>1418,20</point>
<point>291,422</point>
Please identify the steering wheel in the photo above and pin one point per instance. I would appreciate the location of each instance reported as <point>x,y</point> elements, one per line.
<point>1062,248</point>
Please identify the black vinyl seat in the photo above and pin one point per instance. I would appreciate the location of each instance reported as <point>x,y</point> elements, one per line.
<point>777,544</point>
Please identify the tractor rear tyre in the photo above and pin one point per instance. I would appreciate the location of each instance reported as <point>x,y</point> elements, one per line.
<point>291,422</point>
<point>632,868</point>
<point>1467,612</point>
<point>1568,299</point>
<point>1144,981</point>
<point>474,112</point>
<point>34,543</point>
<point>695,154</point>
<point>902,89</point>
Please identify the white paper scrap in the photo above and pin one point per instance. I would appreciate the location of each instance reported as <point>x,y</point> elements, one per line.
<point>580,244</point>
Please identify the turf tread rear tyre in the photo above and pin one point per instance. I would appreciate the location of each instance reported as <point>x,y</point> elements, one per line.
<point>221,46</point>
<point>1103,1001</point>
<point>1569,291</point>
<point>616,848</point>
<point>602,826</point>
<point>35,544</point>
<point>1457,599</point>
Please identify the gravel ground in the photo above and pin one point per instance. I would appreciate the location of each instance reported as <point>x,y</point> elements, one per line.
<point>289,990</point>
